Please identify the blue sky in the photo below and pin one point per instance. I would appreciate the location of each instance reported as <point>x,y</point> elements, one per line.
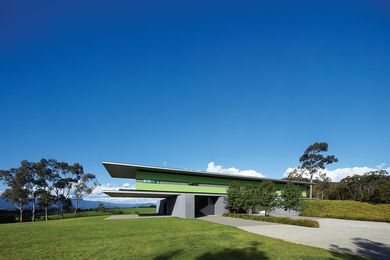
<point>181,84</point>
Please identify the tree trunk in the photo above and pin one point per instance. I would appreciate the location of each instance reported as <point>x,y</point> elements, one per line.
<point>77,205</point>
<point>33,211</point>
<point>46,213</point>
<point>311,187</point>
<point>62,213</point>
<point>21,215</point>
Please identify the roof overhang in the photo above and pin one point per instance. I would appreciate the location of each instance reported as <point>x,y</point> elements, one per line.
<point>151,194</point>
<point>128,171</point>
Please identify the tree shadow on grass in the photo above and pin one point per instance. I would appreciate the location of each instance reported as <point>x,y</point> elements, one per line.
<point>168,255</point>
<point>365,247</point>
<point>250,252</point>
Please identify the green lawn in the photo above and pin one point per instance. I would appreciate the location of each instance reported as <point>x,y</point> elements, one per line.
<point>159,238</point>
<point>108,212</point>
<point>346,209</point>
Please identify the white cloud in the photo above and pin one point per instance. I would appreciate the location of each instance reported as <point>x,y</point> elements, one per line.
<point>340,173</point>
<point>212,167</point>
<point>128,186</point>
<point>381,166</point>
<point>98,195</point>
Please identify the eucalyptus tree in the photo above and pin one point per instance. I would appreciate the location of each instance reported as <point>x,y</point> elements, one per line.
<point>313,161</point>
<point>45,182</point>
<point>64,177</point>
<point>84,186</point>
<point>17,181</point>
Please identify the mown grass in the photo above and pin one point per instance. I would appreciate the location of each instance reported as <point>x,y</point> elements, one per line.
<point>107,212</point>
<point>344,209</point>
<point>159,238</point>
<point>282,220</point>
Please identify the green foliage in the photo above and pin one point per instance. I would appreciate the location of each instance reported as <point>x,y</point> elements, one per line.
<point>233,197</point>
<point>291,197</point>
<point>246,197</point>
<point>46,182</point>
<point>100,208</point>
<point>265,196</point>
<point>313,161</point>
<point>373,186</point>
<point>282,220</point>
<point>159,238</point>
<point>86,183</point>
<point>344,209</point>
<point>17,181</point>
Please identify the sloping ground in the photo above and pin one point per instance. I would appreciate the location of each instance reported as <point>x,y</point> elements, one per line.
<point>346,209</point>
<point>162,238</point>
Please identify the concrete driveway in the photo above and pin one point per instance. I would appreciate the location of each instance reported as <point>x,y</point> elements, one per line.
<point>365,238</point>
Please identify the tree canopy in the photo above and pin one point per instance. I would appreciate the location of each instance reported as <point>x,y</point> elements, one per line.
<point>46,182</point>
<point>313,160</point>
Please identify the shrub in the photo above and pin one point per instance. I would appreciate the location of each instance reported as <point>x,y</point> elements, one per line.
<point>291,197</point>
<point>282,220</point>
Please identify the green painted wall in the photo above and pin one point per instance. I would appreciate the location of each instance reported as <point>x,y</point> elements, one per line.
<point>193,179</point>
<point>179,188</point>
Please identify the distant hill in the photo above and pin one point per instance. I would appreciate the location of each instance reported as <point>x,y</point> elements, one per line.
<point>4,204</point>
<point>83,204</point>
<point>89,204</point>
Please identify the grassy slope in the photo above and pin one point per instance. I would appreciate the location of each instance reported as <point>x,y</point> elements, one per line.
<point>160,238</point>
<point>344,209</point>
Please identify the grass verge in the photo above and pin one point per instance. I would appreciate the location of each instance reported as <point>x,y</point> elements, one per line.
<point>345,209</point>
<point>282,220</point>
<point>159,238</point>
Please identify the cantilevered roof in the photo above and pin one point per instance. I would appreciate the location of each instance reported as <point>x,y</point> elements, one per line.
<point>150,194</point>
<point>128,171</point>
<point>139,194</point>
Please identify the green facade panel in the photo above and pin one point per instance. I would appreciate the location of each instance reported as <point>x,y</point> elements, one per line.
<point>194,180</point>
<point>179,188</point>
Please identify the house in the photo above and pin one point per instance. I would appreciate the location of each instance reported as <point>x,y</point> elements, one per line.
<point>183,193</point>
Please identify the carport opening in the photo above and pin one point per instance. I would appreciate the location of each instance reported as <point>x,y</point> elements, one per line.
<point>204,205</point>
<point>165,206</point>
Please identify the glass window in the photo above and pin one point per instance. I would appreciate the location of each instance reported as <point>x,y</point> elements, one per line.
<point>150,181</point>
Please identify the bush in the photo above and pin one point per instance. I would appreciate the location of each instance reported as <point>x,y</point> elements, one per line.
<point>291,197</point>
<point>247,197</point>
<point>282,220</point>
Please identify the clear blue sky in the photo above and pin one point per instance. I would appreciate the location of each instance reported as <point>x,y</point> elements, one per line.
<point>243,84</point>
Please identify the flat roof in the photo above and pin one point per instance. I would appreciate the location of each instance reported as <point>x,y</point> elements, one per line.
<point>128,171</point>
<point>151,194</point>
